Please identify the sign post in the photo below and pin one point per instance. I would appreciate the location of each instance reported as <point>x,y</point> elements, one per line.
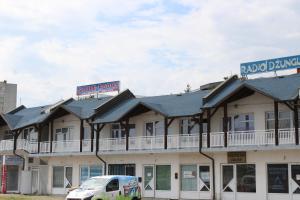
<point>270,65</point>
<point>4,175</point>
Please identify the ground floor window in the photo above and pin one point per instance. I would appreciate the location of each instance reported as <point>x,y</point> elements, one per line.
<point>246,180</point>
<point>193,180</point>
<point>12,177</point>
<point>121,169</point>
<point>278,178</point>
<point>87,172</point>
<point>188,178</point>
<point>62,177</point>
<point>163,177</point>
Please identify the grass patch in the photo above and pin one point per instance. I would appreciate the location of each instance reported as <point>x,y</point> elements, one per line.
<point>27,197</point>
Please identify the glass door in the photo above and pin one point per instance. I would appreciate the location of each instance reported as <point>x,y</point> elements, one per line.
<point>295,182</point>
<point>34,181</point>
<point>278,181</point>
<point>149,181</point>
<point>228,182</point>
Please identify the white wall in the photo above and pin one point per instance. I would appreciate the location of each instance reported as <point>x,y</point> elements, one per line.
<point>256,103</point>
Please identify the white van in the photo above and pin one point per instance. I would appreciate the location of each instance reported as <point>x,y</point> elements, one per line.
<point>107,188</point>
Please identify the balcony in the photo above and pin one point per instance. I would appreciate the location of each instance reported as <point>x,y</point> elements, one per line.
<point>245,140</point>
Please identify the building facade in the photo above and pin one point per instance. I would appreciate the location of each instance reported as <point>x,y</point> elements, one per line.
<point>239,140</point>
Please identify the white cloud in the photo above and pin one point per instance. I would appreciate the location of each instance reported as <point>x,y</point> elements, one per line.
<point>150,51</point>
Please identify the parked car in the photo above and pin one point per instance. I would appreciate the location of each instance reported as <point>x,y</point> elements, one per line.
<point>107,188</point>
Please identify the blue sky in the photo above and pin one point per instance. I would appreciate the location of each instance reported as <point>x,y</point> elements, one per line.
<point>152,46</point>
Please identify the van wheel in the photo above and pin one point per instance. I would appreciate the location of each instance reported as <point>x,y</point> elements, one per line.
<point>135,198</point>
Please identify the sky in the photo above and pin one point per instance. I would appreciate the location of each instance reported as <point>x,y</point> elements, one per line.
<point>153,47</point>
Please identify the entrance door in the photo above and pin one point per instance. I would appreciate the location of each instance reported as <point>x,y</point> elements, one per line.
<point>149,181</point>
<point>228,182</point>
<point>278,181</point>
<point>34,181</point>
<point>295,181</point>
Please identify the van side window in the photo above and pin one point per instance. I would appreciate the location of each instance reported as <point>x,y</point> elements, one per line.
<point>113,185</point>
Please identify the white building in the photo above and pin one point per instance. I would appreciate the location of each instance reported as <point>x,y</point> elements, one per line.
<point>237,141</point>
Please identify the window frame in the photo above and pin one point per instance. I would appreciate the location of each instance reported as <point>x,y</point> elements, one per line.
<point>154,128</point>
<point>236,174</point>
<point>89,171</point>
<point>291,118</point>
<point>68,135</point>
<point>288,177</point>
<point>157,178</point>
<point>64,176</point>
<point>231,124</point>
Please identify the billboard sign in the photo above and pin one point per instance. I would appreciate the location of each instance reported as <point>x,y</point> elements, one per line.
<point>270,65</point>
<point>98,88</point>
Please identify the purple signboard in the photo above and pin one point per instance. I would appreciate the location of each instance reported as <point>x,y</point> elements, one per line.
<point>98,88</point>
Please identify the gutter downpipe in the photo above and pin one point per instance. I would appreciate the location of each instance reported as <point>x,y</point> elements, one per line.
<point>102,161</point>
<point>207,156</point>
<point>97,146</point>
<point>14,151</point>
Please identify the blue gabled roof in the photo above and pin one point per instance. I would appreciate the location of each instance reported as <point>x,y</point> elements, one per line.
<point>26,117</point>
<point>282,88</point>
<point>187,104</point>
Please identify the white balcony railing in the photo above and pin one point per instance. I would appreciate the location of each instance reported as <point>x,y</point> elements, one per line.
<point>86,145</point>
<point>65,146</point>
<point>112,144</point>
<point>45,147</point>
<point>175,141</point>
<point>6,145</point>
<point>146,142</point>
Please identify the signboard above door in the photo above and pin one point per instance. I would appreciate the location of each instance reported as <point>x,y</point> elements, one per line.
<point>236,157</point>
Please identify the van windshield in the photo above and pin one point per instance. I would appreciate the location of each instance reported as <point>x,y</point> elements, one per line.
<point>94,183</point>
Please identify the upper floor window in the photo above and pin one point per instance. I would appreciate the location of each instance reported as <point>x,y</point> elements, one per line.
<point>63,134</point>
<point>154,128</point>
<point>86,133</point>
<point>284,120</point>
<point>29,134</point>
<point>8,135</point>
<point>119,132</point>
<point>240,122</point>
<point>188,126</point>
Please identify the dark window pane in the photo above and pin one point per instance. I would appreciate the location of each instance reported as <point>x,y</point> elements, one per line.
<point>113,185</point>
<point>149,129</point>
<point>278,178</point>
<point>58,177</point>
<point>121,169</point>
<point>227,177</point>
<point>163,177</point>
<point>246,180</point>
